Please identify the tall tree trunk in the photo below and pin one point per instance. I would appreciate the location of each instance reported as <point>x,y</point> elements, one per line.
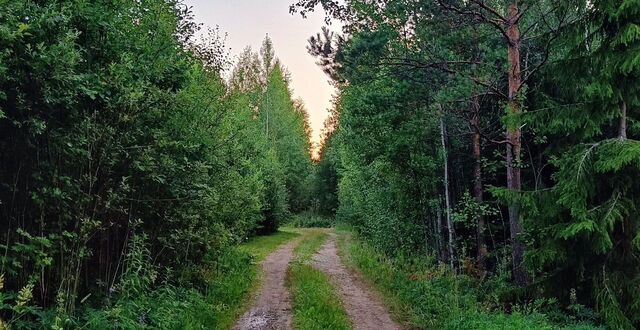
<point>438,228</point>
<point>622,128</point>
<point>478,190</point>
<point>450,228</point>
<point>477,182</point>
<point>513,137</point>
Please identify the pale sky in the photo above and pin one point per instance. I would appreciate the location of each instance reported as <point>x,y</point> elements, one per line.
<point>248,21</point>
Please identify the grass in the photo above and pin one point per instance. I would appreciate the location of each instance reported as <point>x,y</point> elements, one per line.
<point>311,220</point>
<point>314,238</point>
<point>424,295</point>
<point>231,292</point>
<point>316,304</point>
<point>259,247</point>
<point>217,304</point>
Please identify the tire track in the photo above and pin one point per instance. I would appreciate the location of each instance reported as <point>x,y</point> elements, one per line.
<point>364,308</point>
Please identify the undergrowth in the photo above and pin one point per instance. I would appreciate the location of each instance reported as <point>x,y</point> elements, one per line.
<point>311,220</point>
<point>138,302</point>
<point>425,295</point>
<point>177,307</point>
<point>316,304</point>
<point>259,247</point>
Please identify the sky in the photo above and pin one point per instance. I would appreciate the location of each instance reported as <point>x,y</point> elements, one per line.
<point>247,22</point>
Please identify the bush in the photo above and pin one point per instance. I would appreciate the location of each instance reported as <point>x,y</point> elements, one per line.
<point>430,296</point>
<point>311,220</point>
<point>139,304</point>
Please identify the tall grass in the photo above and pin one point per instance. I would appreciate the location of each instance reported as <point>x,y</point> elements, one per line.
<point>311,220</point>
<point>316,304</point>
<point>217,305</point>
<point>425,295</point>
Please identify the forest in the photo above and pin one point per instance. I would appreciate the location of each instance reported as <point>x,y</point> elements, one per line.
<point>477,168</point>
<point>499,137</point>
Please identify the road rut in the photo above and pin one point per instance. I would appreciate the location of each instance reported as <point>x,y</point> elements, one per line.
<point>272,307</point>
<point>363,306</point>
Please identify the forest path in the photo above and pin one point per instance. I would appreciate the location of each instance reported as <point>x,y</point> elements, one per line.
<point>272,307</point>
<point>362,304</point>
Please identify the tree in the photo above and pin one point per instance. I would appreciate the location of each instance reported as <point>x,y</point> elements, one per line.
<point>591,226</point>
<point>127,161</point>
<point>540,104</point>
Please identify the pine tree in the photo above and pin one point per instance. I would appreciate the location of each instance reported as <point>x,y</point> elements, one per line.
<point>590,234</point>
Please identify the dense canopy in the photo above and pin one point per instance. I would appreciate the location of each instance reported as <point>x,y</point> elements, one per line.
<point>499,137</point>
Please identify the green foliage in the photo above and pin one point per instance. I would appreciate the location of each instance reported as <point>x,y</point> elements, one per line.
<point>429,296</point>
<point>405,69</point>
<point>19,305</point>
<point>468,210</point>
<point>387,173</point>
<point>591,226</point>
<point>310,220</point>
<point>227,288</point>
<point>171,307</point>
<point>582,229</point>
<point>285,131</point>
<point>325,180</point>
<point>129,166</point>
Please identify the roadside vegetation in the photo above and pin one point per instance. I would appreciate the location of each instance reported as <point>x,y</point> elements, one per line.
<point>222,300</point>
<point>135,158</point>
<point>311,220</point>
<point>484,154</point>
<point>316,304</point>
<point>426,295</point>
<point>493,146</point>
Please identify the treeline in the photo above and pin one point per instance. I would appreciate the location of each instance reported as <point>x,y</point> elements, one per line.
<point>498,137</point>
<point>127,162</point>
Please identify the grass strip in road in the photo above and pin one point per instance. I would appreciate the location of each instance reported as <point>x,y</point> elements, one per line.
<point>316,304</point>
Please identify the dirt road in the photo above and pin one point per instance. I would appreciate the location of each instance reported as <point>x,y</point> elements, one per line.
<point>272,307</point>
<point>362,305</point>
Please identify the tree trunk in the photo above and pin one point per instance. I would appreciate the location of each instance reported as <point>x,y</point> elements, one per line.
<point>450,228</point>
<point>622,128</point>
<point>513,137</point>
<point>439,232</point>
<point>477,182</point>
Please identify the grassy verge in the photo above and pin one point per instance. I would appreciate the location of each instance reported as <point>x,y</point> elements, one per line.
<point>139,303</point>
<point>230,292</point>
<point>316,304</point>
<point>426,296</point>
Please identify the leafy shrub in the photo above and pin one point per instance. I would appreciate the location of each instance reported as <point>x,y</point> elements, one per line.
<point>430,296</point>
<point>311,220</point>
<point>139,303</point>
